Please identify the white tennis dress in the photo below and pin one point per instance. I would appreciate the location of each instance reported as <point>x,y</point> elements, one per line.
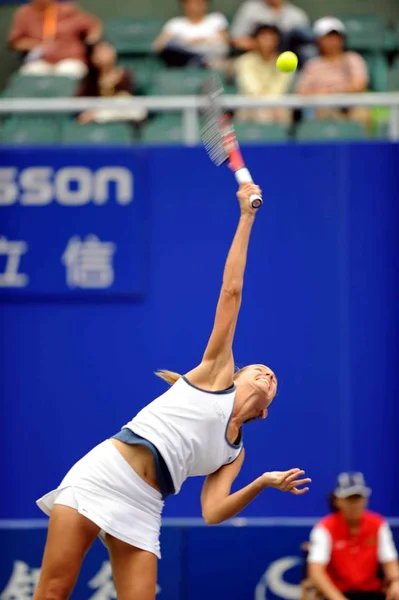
<point>188,427</point>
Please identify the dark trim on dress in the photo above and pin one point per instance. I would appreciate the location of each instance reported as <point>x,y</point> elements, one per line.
<point>229,390</point>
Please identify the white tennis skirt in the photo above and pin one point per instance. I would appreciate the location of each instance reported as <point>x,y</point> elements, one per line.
<point>104,488</point>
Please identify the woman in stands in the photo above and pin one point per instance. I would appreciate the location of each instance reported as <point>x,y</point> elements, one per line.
<point>117,490</point>
<point>107,79</point>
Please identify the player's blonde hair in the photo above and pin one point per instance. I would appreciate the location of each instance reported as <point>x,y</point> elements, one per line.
<point>171,376</point>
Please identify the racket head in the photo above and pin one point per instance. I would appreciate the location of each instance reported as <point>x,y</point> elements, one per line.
<point>217,131</point>
<point>219,137</point>
<point>211,116</point>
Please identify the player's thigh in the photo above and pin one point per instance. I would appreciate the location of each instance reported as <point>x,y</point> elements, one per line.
<point>69,537</point>
<point>134,571</point>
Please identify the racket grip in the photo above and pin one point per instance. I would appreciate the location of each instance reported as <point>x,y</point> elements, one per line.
<point>244,176</point>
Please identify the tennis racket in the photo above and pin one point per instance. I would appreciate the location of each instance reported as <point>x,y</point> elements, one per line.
<point>219,137</point>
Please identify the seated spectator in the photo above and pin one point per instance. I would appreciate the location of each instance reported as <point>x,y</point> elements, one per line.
<point>348,546</point>
<point>335,71</point>
<point>106,79</point>
<point>258,76</point>
<point>197,39</point>
<point>52,36</point>
<point>292,21</point>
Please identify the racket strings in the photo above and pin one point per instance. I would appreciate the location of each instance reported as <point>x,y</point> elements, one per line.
<point>211,131</point>
<point>213,143</point>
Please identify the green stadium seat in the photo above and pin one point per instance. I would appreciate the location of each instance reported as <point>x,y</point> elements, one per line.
<point>365,32</point>
<point>32,86</point>
<point>120,134</point>
<point>378,69</point>
<point>165,129</point>
<point>143,70</point>
<point>393,79</point>
<point>330,130</point>
<point>132,36</point>
<point>261,132</point>
<point>26,130</point>
<point>230,88</point>
<point>391,40</point>
<point>383,131</point>
<point>177,82</point>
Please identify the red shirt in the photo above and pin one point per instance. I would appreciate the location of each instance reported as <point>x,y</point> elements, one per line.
<point>352,560</point>
<point>71,27</point>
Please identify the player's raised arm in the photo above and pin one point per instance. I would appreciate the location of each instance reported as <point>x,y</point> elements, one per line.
<point>217,367</point>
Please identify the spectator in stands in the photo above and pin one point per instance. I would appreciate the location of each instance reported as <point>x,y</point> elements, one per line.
<point>198,38</point>
<point>335,71</point>
<point>106,79</point>
<point>258,76</point>
<point>348,546</point>
<point>52,36</point>
<point>292,21</point>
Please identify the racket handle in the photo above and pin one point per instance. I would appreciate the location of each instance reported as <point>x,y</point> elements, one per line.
<point>244,176</point>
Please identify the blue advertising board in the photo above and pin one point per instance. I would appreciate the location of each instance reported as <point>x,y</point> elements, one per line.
<point>73,222</point>
<point>319,306</point>
<point>238,562</point>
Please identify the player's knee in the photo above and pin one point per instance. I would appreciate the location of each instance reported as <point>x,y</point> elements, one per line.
<point>54,588</point>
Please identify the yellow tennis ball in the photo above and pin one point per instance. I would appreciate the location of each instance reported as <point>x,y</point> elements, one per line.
<point>287,62</point>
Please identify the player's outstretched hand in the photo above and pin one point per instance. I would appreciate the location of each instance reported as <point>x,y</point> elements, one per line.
<point>287,481</point>
<point>245,191</point>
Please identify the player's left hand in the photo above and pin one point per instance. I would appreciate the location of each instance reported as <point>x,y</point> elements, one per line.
<point>393,591</point>
<point>289,481</point>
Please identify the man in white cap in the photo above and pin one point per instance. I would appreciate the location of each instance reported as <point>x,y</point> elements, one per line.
<point>348,547</point>
<point>292,22</point>
<point>335,71</point>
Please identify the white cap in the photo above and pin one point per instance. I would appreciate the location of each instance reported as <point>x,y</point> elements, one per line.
<point>328,25</point>
<point>351,484</point>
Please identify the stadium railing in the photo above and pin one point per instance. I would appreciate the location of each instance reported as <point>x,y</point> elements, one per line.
<point>190,106</point>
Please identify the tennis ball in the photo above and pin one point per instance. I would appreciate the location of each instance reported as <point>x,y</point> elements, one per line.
<point>287,62</point>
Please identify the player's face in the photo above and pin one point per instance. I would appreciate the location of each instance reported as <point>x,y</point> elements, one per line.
<point>352,508</point>
<point>262,380</point>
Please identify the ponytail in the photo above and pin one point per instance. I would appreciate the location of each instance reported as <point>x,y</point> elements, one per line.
<point>169,376</point>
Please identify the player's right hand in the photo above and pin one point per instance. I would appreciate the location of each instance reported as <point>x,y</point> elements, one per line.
<point>287,481</point>
<point>245,191</point>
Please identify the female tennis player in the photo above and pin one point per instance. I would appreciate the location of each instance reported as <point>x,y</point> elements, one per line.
<point>117,490</point>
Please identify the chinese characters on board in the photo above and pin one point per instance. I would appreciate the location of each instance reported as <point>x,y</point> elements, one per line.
<point>23,581</point>
<point>88,263</point>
